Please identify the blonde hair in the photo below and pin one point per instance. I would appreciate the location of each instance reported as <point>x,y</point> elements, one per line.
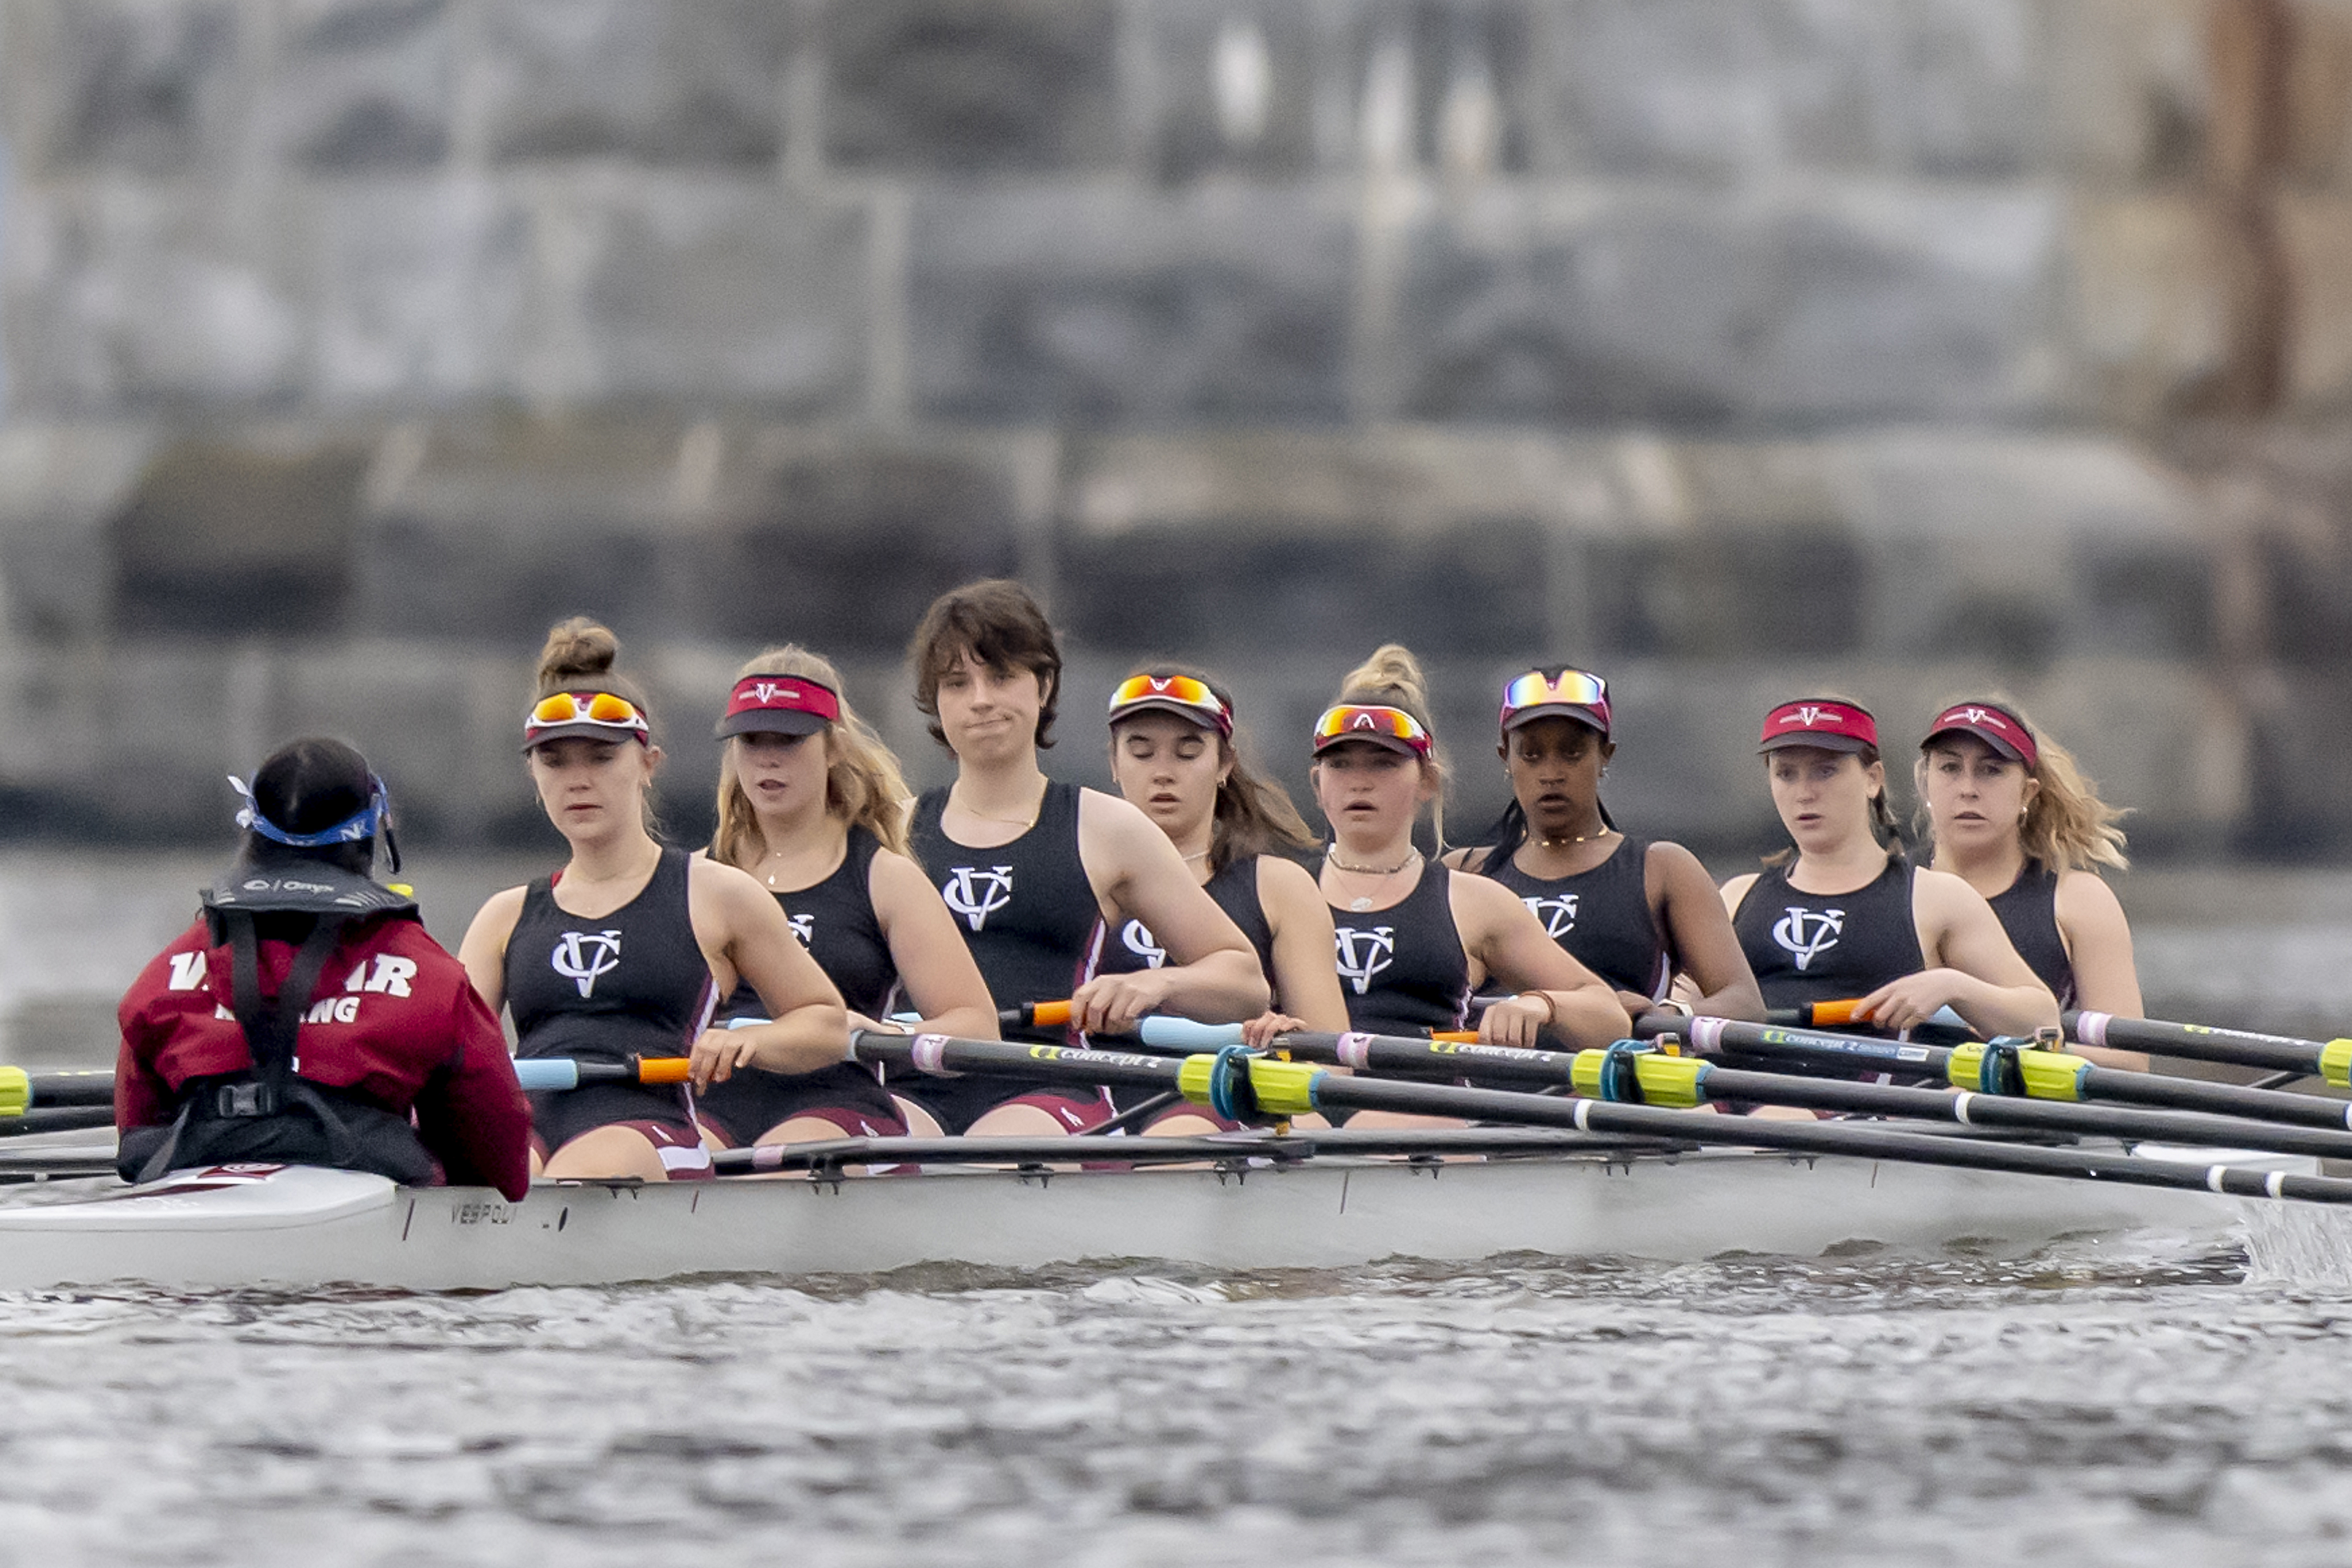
<point>1391,678</point>
<point>2067,826</point>
<point>862,784</point>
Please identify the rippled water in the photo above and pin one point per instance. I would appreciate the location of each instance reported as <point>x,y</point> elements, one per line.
<point>1881,1409</point>
<point>2143,1401</point>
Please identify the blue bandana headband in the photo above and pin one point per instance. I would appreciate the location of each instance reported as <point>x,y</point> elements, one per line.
<point>353,829</point>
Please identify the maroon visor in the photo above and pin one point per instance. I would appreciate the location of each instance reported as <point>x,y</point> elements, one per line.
<point>1819,722</point>
<point>779,705</point>
<point>1996,726</point>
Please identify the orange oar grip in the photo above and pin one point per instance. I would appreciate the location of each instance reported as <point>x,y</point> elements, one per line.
<point>1048,1015</point>
<point>1457,1036</point>
<point>662,1069</point>
<point>1832,1015</point>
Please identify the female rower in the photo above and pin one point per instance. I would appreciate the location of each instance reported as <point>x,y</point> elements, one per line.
<point>1634,911</point>
<point>1414,939</point>
<point>1174,753</point>
<point>1032,870</point>
<point>812,803</point>
<point>396,1067</point>
<point>2011,815</point>
<point>620,954</point>
<point>1849,916</point>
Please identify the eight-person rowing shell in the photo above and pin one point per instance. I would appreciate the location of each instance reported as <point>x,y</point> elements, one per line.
<point>1035,870</point>
<point>622,953</point>
<point>1845,914</point>
<point>812,803</point>
<point>1637,913</point>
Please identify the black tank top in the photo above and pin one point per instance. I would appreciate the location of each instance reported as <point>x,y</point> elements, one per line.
<point>834,921</point>
<point>632,982</point>
<point>1132,946</point>
<point>1601,917</point>
<point>2028,909</point>
<point>1025,908</point>
<point>1402,969</point>
<point>1815,947</point>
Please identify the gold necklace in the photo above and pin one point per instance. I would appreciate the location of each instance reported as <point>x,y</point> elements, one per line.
<point>1549,842</point>
<point>1358,905</point>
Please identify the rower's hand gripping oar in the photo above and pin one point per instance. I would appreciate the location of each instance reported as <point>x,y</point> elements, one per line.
<point>1244,1080</point>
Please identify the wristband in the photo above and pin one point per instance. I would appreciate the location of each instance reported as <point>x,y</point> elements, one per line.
<point>1551,1009</point>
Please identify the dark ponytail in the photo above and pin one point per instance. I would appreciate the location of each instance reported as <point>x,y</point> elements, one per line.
<point>308,786</point>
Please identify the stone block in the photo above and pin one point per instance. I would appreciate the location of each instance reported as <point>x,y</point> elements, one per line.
<point>245,536</point>
<point>2315,238</point>
<point>130,297</point>
<point>1232,89</point>
<point>2148,303</point>
<point>1844,302</point>
<point>2021,552</point>
<point>364,84</point>
<point>61,487</point>
<point>1100,306</point>
<point>496,530</point>
<point>1447,85</point>
<point>841,543</point>
<point>685,82</point>
<point>2133,104</point>
<point>147,87</point>
<point>1261,543</point>
<point>706,288</point>
<point>1725,89</point>
<point>425,291</point>
<point>972,84</point>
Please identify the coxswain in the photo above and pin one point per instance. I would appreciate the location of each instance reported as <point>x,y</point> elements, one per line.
<point>1414,938</point>
<point>813,804</point>
<point>1035,872</point>
<point>1636,911</point>
<point>1845,914</point>
<point>2010,814</point>
<point>620,955</point>
<point>1176,754</point>
<point>306,1017</point>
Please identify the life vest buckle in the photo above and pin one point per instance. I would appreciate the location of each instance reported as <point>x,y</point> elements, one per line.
<point>236,1101</point>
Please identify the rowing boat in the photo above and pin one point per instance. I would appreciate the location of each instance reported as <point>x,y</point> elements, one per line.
<point>1242,1202</point>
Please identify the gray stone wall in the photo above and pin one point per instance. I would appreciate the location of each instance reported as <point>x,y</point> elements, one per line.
<point>1731,346</point>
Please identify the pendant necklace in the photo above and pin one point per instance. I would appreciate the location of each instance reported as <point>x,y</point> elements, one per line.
<point>1360,905</point>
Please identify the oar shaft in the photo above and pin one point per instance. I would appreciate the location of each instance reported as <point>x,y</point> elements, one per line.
<point>57,1119</point>
<point>2276,1053</point>
<point>1325,1089</point>
<point>22,1090</point>
<point>1811,1051</point>
<point>1715,1082</point>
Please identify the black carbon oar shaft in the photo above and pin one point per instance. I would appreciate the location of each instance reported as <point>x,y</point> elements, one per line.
<point>1716,1082</point>
<point>1326,1090</point>
<point>2239,1048</point>
<point>93,1086</point>
<point>1814,1051</point>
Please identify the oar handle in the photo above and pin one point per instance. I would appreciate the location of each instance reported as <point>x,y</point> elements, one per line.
<point>2330,1059</point>
<point>1037,1016</point>
<point>543,1075</point>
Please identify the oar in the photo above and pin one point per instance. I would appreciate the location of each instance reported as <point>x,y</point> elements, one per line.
<point>1257,1086</point>
<point>61,1118</point>
<point>544,1073</point>
<point>2328,1060</point>
<point>1995,1070</point>
<point>1840,1014</point>
<point>1642,1074</point>
<point>21,1090</point>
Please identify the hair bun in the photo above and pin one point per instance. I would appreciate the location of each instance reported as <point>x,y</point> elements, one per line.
<point>1391,669</point>
<point>577,649</point>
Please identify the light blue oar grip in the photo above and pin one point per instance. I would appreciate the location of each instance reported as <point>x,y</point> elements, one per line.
<point>1948,1018</point>
<point>1183,1034</point>
<point>541,1073</point>
<point>748,1023</point>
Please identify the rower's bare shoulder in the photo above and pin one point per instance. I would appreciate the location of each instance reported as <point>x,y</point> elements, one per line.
<point>1735,892</point>
<point>1285,883</point>
<point>1483,898</point>
<point>2082,896</point>
<point>1113,820</point>
<point>501,910</point>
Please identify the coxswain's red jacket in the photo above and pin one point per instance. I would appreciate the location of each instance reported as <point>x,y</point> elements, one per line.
<point>393,1019</point>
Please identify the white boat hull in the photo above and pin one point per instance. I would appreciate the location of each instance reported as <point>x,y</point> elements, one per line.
<point>300,1227</point>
